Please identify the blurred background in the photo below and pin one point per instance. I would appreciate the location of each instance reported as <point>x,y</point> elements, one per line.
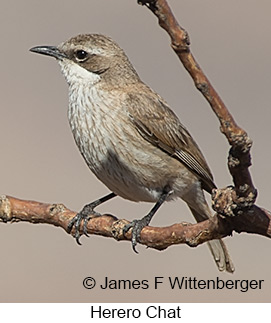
<point>39,159</point>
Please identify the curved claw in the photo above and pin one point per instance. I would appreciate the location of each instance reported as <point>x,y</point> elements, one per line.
<point>78,240</point>
<point>85,226</point>
<point>71,224</point>
<point>134,243</point>
<point>137,226</point>
<point>76,222</point>
<point>85,215</point>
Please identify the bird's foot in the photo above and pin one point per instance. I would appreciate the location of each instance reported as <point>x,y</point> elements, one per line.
<point>83,216</point>
<point>137,226</point>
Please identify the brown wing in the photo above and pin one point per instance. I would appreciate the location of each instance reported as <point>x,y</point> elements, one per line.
<point>158,124</point>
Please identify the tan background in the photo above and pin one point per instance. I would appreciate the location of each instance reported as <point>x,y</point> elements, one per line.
<point>39,160</point>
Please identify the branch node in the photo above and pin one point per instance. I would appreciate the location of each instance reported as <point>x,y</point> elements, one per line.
<point>181,43</point>
<point>241,142</point>
<point>203,87</point>
<point>56,208</point>
<point>227,203</point>
<point>117,229</point>
<point>195,241</point>
<point>5,209</point>
<point>247,201</point>
<point>233,162</point>
<point>223,201</point>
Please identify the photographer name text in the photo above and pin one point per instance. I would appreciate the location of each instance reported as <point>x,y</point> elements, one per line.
<point>181,283</point>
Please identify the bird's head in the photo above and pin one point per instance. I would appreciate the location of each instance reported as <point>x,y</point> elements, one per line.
<point>91,58</point>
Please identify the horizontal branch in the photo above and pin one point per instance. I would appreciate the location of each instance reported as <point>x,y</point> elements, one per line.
<point>257,221</point>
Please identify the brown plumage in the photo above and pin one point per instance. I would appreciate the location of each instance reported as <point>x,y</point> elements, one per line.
<point>129,137</point>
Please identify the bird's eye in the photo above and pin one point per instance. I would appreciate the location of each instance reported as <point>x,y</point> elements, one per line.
<point>81,55</point>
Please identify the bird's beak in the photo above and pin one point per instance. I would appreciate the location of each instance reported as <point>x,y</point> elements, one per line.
<point>49,50</point>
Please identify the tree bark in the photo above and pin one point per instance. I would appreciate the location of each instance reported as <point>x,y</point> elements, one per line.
<point>15,210</point>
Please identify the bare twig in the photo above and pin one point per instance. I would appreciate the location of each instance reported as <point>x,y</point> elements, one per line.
<point>243,193</point>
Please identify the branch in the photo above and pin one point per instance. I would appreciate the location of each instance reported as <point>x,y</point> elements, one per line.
<point>243,193</point>
<point>15,210</point>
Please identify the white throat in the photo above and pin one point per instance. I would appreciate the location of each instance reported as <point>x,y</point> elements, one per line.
<point>74,73</point>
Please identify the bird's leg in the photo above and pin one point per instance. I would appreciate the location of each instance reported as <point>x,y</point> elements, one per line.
<point>85,215</point>
<point>138,225</point>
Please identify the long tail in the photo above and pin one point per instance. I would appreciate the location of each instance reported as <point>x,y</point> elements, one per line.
<point>221,255</point>
<point>217,247</point>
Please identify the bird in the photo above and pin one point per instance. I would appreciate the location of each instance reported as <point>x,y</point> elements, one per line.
<point>129,137</point>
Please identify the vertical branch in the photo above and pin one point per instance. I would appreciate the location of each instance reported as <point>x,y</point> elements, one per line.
<point>244,193</point>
